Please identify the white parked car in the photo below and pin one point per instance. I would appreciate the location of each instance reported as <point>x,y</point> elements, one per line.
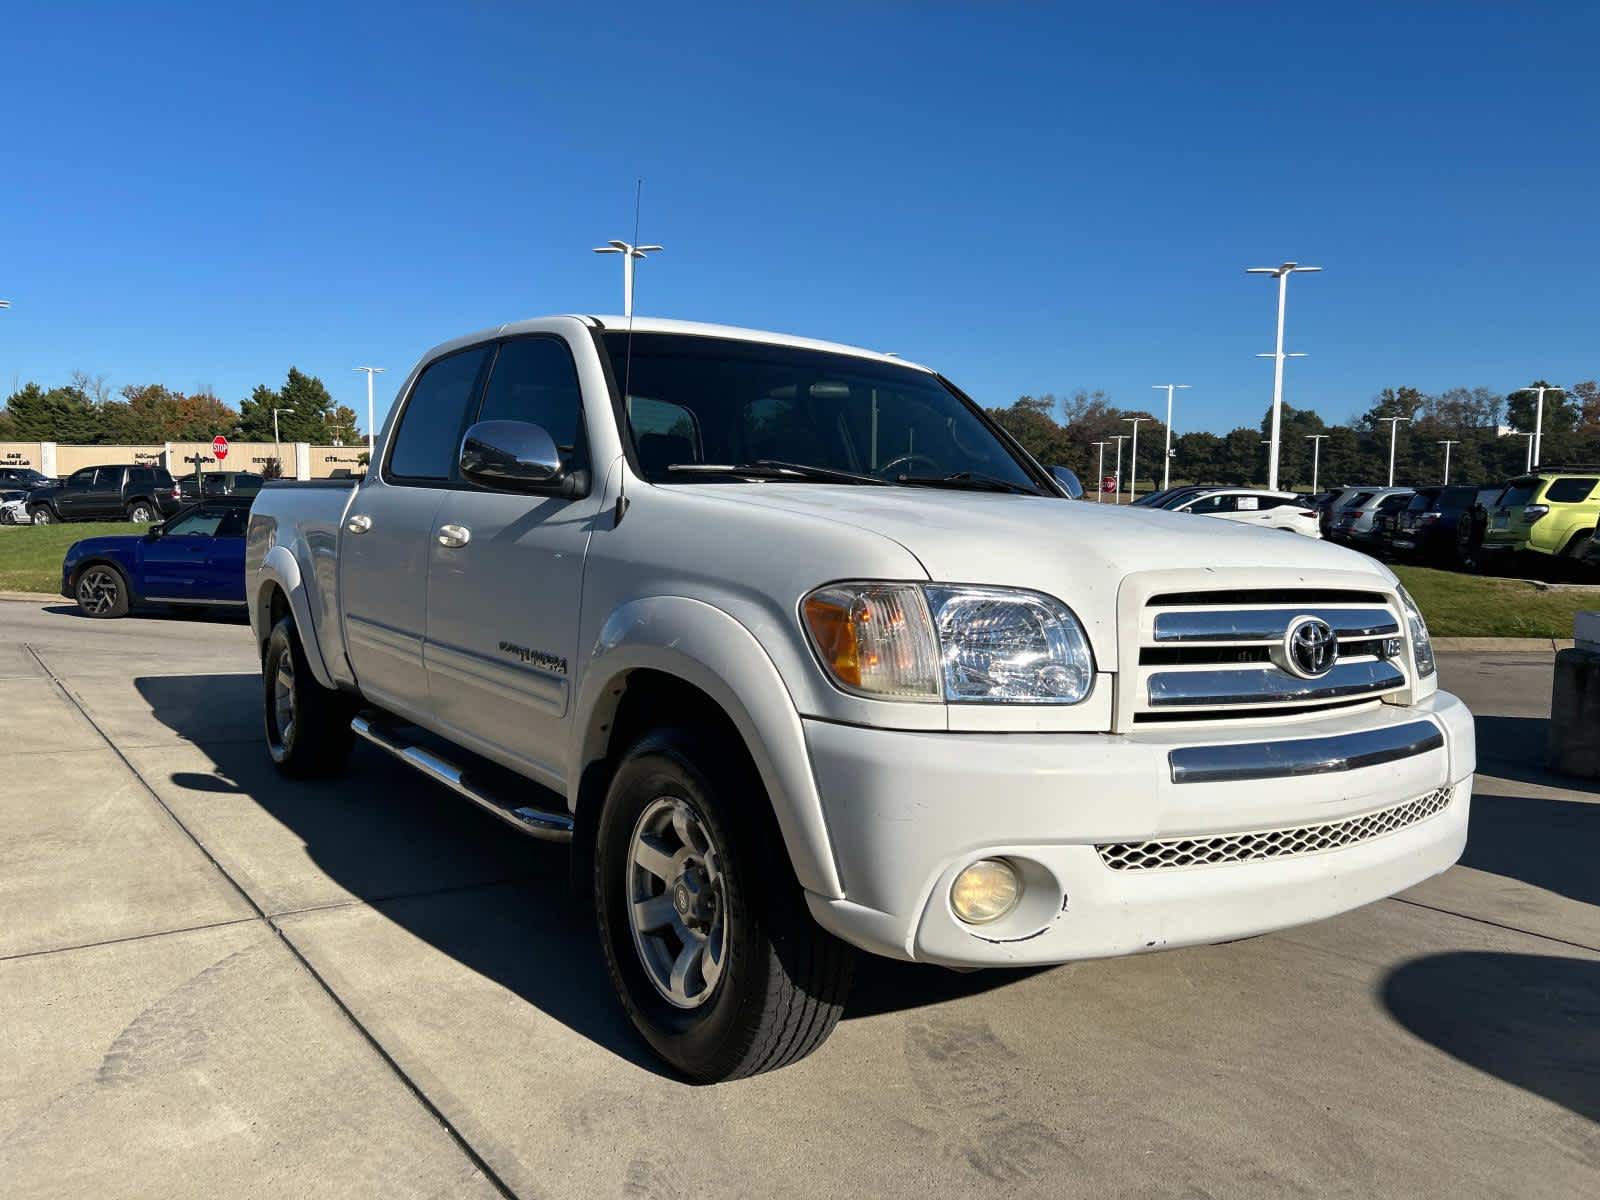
<point>802,654</point>
<point>1268,510</point>
<point>14,507</point>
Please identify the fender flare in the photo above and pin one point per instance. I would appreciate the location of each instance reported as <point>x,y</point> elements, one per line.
<point>705,647</point>
<point>281,569</point>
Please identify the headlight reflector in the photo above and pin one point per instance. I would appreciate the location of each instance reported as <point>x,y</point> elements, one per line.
<point>974,645</point>
<point>1421,644</point>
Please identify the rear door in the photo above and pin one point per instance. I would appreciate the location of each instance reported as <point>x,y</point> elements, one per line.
<point>503,607</point>
<point>384,548</point>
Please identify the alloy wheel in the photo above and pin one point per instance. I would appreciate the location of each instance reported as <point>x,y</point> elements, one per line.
<point>677,902</point>
<point>139,514</point>
<point>283,701</point>
<point>99,590</point>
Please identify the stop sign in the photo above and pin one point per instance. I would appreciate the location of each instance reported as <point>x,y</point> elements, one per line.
<point>219,447</point>
<point>1108,484</point>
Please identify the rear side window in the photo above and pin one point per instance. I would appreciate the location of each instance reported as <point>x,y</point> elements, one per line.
<point>141,475</point>
<point>1569,490</point>
<point>429,437</point>
<point>1452,499</point>
<point>535,380</point>
<point>1357,500</point>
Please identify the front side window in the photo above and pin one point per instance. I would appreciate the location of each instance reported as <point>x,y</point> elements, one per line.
<point>702,400</point>
<point>1213,504</point>
<point>428,441</point>
<point>535,380</point>
<point>1569,490</point>
<point>197,522</point>
<point>82,478</point>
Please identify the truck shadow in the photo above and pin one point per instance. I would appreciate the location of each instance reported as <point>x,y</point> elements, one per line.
<point>1532,1020</point>
<point>448,874</point>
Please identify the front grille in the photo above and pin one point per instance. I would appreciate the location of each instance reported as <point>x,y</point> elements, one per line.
<point>1209,655</point>
<point>1173,853</point>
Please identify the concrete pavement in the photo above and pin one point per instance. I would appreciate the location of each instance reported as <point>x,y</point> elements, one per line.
<point>213,982</point>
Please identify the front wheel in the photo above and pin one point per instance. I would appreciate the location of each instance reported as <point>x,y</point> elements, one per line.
<point>102,591</point>
<point>42,515</point>
<point>307,725</point>
<point>706,934</point>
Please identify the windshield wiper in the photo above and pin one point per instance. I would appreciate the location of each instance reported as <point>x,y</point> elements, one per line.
<point>968,480</point>
<point>771,468</point>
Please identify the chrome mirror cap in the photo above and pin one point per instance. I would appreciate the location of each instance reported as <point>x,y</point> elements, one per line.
<point>515,454</point>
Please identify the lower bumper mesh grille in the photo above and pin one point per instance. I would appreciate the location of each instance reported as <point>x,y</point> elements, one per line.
<point>1270,843</point>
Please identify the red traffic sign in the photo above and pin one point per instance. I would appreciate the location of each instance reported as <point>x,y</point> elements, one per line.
<point>1108,484</point>
<point>219,447</point>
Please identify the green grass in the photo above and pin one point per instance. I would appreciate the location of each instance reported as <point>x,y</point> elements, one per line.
<point>1457,605</point>
<point>30,555</point>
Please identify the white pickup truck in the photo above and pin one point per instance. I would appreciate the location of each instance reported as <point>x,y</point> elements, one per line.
<point>803,654</point>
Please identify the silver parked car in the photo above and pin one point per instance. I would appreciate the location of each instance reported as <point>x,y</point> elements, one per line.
<point>1353,513</point>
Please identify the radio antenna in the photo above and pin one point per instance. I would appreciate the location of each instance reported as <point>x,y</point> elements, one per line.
<point>627,356</point>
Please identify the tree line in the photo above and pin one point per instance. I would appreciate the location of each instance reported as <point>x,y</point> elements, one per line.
<point>85,412</point>
<point>1063,431</point>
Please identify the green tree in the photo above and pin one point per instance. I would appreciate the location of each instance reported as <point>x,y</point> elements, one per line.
<point>305,408</point>
<point>61,414</point>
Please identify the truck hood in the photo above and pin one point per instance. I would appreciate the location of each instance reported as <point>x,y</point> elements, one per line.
<point>1078,552</point>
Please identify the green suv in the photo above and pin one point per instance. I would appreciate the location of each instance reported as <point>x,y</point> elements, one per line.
<point>1552,513</point>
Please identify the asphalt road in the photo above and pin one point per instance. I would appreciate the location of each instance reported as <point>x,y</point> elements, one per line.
<point>214,983</point>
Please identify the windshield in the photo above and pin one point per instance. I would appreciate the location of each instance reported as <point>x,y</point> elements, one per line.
<point>702,400</point>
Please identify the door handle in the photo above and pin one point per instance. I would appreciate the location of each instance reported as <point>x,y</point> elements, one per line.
<point>359,523</point>
<point>454,536</point>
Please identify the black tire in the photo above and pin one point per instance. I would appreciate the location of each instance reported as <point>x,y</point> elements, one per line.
<point>101,590</point>
<point>42,514</point>
<point>1470,527</point>
<point>783,979</point>
<point>1576,565</point>
<point>141,512</point>
<point>314,740</point>
<point>6,518</point>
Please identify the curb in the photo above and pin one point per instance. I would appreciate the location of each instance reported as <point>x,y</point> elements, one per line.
<point>33,597</point>
<point>1502,645</point>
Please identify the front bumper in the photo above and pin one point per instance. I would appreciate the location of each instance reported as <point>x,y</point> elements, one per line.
<point>907,811</point>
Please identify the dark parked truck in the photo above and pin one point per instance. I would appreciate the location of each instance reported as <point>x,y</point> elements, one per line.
<point>803,655</point>
<point>130,492</point>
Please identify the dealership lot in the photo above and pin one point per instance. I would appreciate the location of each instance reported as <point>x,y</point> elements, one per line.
<point>217,983</point>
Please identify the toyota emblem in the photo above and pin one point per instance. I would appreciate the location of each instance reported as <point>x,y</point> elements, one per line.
<point>1310,647</point>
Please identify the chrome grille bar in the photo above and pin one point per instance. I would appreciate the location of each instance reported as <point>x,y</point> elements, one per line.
<point>1268,685</point>
<point>1268,624</point>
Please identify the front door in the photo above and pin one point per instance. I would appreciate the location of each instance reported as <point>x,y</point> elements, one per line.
<point>384,546</point>
<point>175,561</point>
<point>503,605</point>
<point>72,502</point>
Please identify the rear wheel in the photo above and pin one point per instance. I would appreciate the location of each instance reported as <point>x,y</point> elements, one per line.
<point>307,725</point>
<point>102,591</point>
<point>706,933</point>
<point>140,512</point>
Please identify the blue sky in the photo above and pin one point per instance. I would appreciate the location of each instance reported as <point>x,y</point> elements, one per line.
<point>1032,198</point>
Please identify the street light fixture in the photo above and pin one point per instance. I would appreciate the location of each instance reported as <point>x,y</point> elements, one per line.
<point>1166,463</point>
<point>1119,438</point>
<point>629,253</point>
<point>371,371</point>
<point>1530,437</point>
<point>1537,445</point>
<point>1133,458</point>
<point>1447,443</point>
<point>1394,429</point>
<point>1316,440</point>
<point>1099,479</point>
<point>1282,272</point>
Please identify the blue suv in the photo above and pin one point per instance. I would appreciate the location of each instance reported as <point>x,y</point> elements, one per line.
<point>196,558</point>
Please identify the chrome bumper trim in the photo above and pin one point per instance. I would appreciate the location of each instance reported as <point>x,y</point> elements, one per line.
<point>1268,624</point>
<point>1303,756</point>
<point>1268,685</point>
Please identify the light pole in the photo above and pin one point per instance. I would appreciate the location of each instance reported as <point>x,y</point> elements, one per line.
<point>1447,443</point>
<point>371,371</point>
<point>277,448</point>
<point>1530,437</point>
<point>1133,458</point>
<point>1119,438</point>
<point>1282,272</point>
<point>629,253</point>
<point>1166,463</point>
<point>1394,429</point>
<point>1537,445</point>
<point>1316,440</point>
<point>1099,479</point>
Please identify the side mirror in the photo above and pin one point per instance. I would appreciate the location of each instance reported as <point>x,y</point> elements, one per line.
<point>1068,479</point>
<point>155,532</point>
<point>517,456</point>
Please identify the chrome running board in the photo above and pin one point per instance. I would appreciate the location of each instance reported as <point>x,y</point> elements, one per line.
<point>535,822</point>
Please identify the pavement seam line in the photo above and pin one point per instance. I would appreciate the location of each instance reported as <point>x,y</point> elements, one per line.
<point>132,937</point>
<point>1450,912</point>
<point>466,1148</point>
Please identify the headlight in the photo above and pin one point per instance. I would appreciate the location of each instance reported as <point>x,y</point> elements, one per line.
<point>969,645</point>
<point>1421,645</point>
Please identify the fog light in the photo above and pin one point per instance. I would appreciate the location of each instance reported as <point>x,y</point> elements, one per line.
<point>985,891</point>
